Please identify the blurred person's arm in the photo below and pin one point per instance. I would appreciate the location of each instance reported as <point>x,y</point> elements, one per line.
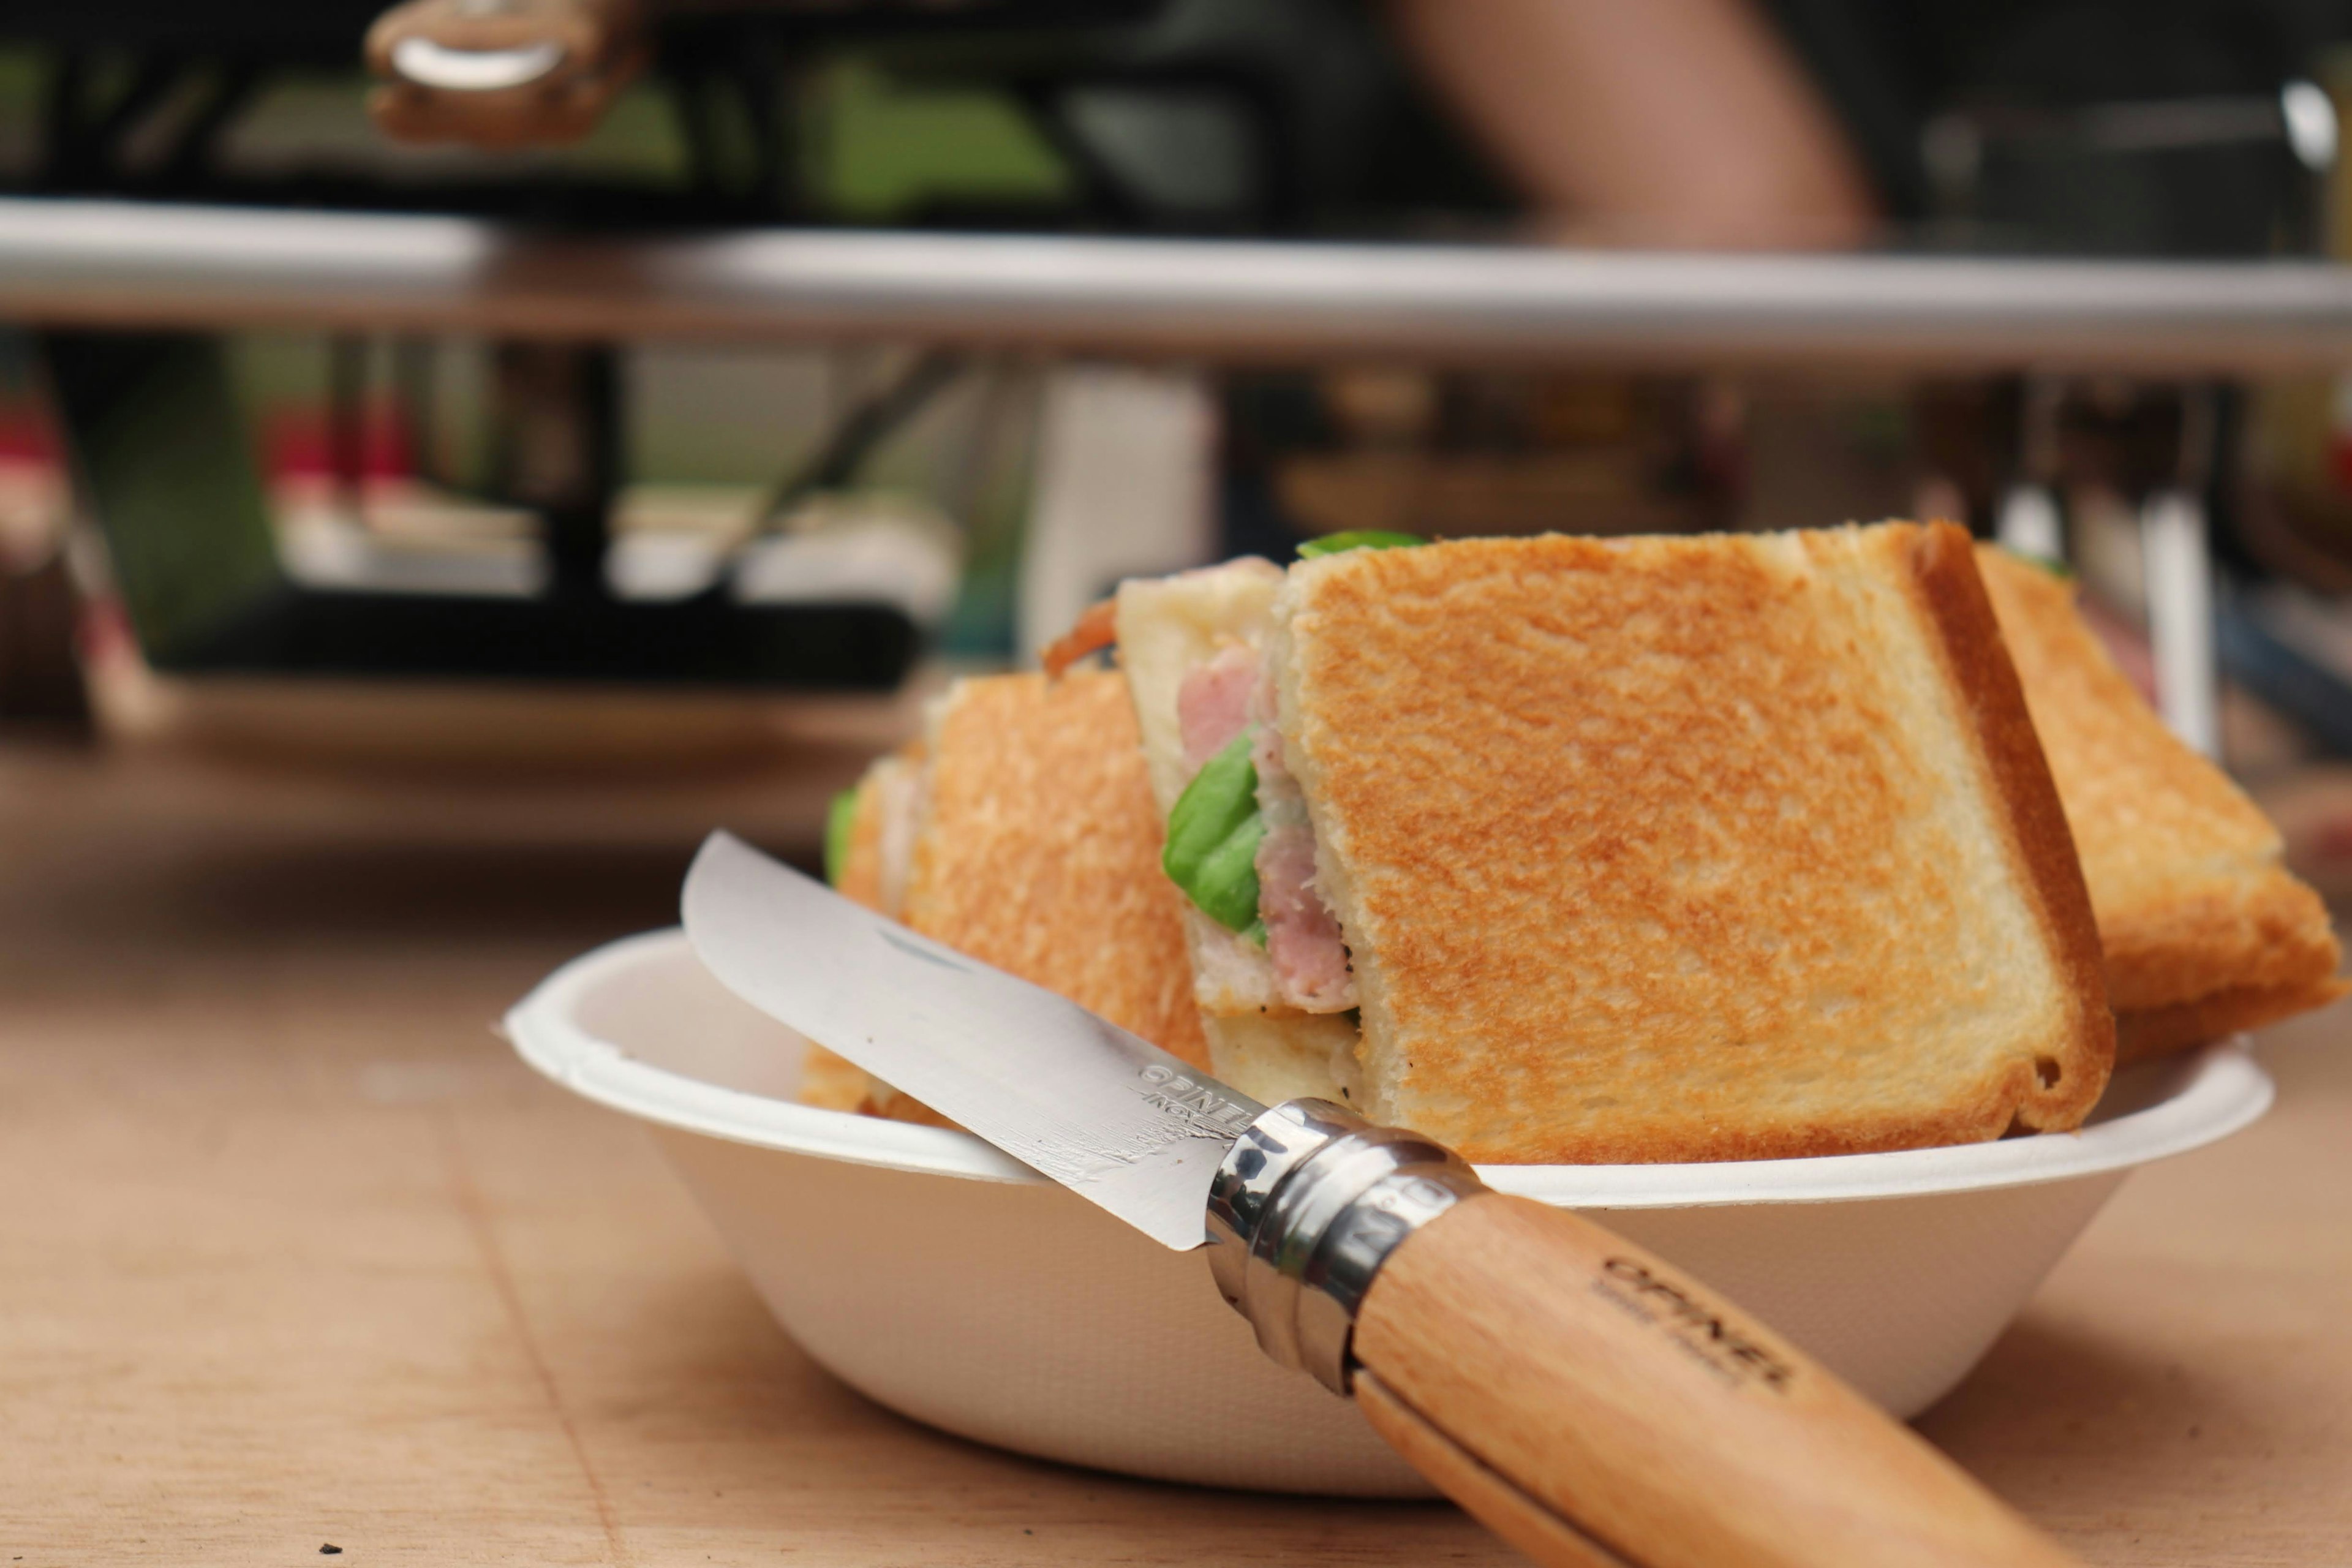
<point>1675,122</point>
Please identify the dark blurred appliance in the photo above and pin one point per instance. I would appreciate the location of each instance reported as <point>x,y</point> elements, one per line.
<point>141,99</point>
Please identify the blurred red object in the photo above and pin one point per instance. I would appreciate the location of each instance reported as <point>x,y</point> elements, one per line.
<point>300,442</point>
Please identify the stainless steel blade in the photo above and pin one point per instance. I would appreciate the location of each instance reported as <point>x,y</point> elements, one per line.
<point>1109,1115</point>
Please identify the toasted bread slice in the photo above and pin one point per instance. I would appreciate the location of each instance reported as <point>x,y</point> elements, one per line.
<point>873,873</point>
<point>2203,930</point>
<point>882,832</point>
<point>1283,1054</point>
<point>832,1083</point>
<point>1032,843</point>
<point>1167,628</point>
<point>1697,848</point>
<point>2159,1031</point>
<point>1040,850</point>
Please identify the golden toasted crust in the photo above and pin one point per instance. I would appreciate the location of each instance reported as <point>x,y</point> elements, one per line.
<point>1040,853</point>
<point>1688,849</point>
<point>892,1105</point>
<point>2159,1031</point>
<point>828,1082</point>
<point>1944,562</point>
<point>831,1083</point>
<point>2184,871</point>
<point>861,866</point>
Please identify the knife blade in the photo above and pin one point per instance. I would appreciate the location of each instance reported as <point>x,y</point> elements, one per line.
<point>1105,1113</point>
<point>1591,1404</point>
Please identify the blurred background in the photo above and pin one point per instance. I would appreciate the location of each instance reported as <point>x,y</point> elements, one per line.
<point>278,542</point>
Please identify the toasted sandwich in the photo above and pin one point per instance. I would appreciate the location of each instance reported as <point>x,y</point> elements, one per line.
<point>869,845</point>
<point>2204,931</point>
<point>1581,850</point>
<point>1025,834</point>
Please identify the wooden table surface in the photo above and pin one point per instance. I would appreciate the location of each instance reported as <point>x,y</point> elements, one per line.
<point>293,1253</point>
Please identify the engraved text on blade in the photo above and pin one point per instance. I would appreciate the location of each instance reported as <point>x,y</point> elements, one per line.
<point>1189,1109</point>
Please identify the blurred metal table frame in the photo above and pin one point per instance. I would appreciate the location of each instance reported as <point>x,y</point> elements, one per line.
<point>121,264</point>
<point>134,264</point>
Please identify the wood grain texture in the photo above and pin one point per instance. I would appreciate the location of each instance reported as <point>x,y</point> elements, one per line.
<point>1489,1495</point>
<point>294,1252</point>
<point>1652,1415</point>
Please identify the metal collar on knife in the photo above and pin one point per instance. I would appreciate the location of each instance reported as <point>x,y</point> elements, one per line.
<point>1305,1208</point>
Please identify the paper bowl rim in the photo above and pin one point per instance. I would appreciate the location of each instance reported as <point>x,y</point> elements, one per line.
<point>2216,1090</point>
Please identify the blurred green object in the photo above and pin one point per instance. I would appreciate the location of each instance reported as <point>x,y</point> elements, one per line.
<point>1358,538</point>
<point>2058,569</point>
<point>168,468</point>
<point>1212,836</point>
<point>840,822</point>
<point>885,151</point>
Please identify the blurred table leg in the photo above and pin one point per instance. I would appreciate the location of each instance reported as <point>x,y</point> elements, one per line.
<point>2180,616</point>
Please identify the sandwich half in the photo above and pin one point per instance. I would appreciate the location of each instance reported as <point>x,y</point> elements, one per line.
<point>2203,930</point>
<point>1192,648</point>
<point>1581,850</point>
<point>869,846</point>
<point>1025,834</point>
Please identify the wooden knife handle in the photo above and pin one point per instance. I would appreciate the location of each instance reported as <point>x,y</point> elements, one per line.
<point>1598,1408</point>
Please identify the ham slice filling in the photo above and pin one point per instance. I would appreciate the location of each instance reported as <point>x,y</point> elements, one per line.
<point>1213,706</point>
<point>1219,701</point>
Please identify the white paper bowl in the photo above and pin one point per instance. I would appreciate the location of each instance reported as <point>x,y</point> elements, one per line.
<point>955,1284</point>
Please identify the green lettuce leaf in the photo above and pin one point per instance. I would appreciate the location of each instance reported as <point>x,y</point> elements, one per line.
<point>1358,538</point>
<point>840,819</point>
<point>1212,837</point>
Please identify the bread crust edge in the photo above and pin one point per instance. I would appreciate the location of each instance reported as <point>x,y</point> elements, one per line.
<point>1944,569</point>
<point>2166,956</point>
<point>2145,1033</point>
